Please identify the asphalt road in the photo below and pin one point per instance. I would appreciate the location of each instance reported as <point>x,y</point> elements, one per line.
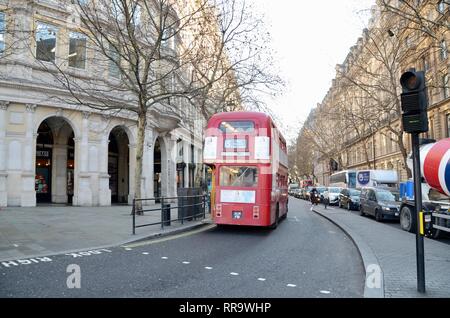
<point>306,256</point>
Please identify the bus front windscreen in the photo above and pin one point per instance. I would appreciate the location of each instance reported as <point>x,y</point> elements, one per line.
<point>238,176</point>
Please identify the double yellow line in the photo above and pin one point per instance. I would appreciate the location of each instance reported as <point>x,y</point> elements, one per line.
<point>169,238</point>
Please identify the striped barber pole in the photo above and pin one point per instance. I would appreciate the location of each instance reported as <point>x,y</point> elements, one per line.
<point>435,165</point>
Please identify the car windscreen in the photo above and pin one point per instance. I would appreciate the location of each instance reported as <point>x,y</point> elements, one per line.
<point>384,196</point>
<point>321,190</point>
<point>354,193</point>
<point>238,176</point>
<point>334,190</point>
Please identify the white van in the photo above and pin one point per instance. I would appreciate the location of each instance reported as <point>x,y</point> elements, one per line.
<point>375,178</point>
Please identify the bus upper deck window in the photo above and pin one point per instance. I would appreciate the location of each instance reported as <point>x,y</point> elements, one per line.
<point>237,127</point>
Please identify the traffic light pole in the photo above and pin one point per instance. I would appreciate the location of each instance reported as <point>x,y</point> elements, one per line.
<point>420,254</point>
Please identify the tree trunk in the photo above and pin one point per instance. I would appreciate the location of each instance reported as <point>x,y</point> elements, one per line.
<point>142,123</point>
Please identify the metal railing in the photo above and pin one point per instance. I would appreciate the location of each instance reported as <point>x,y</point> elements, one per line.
<point>199,204</point>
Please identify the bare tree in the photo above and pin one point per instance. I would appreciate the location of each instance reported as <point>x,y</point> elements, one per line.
<point>301,157</point>
<point>158,56</point>
<point>427,16</point>
<point>236,64</point>
<point>373,71</point>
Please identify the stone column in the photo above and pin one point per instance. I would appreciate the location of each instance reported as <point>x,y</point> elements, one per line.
<point>3,175</point>
<point>28,192</point>
<point>104,193</point>
<point>186,160</point>
<point>131,173</point>
<point>171,166</point>
<point>84,191</point>
<point>59,174</point>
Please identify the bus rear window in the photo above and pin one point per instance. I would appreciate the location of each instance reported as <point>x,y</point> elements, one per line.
<point>231,176</point>
<point>237,126</point>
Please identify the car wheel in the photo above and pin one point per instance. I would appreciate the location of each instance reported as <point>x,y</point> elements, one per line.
<point>407,221</point>
<point>378,216</point>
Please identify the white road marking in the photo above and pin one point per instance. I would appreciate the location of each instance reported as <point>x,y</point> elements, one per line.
<point>145,253</point>
<point>88,253</point>
<point>164,257</point>
<point>262,279</point>
<point>186,262</point>
<point>128,249</point>
<point>207,267</point>
<point>291,285</point>
<point>325,292</point>
<point>28,261</point>
<point>234,274</point>
<point>15,245</point>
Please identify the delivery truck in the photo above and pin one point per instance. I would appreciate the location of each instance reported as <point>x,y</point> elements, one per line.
<point>435,184</point>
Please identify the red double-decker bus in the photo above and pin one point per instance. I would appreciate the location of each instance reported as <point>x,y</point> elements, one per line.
<point>248,155</point>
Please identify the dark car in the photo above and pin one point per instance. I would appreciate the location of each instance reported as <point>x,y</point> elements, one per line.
<point>380,203</point>
<point>349,199</point>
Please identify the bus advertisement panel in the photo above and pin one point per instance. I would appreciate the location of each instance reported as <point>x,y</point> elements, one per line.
<point>248,156</point>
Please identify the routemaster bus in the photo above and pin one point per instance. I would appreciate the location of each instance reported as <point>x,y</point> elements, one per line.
<point>248,156</point>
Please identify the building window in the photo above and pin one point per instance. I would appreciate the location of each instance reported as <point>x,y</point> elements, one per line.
<point>425,63</point>
<point>448,125</point>
<point>445,86</point>
<point>46,42</point>
<point>2,32</point>
<point>441,6</point>
<point>443,50</point>
<point>431,130</point>
<point>114,62</point>
<point>77,50</point>
<point>168,39</point>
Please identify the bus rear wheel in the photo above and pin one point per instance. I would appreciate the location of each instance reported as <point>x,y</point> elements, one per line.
<point>277,219</point>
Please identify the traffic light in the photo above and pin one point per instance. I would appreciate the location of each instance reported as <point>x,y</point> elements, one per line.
<point>414,102</point>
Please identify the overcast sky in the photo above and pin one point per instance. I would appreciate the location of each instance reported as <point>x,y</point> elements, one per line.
<point>309,39</point>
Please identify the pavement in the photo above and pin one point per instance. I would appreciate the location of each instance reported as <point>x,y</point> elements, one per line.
<point>305,256</point>
<point>394,251</point>
<point>53,229</point>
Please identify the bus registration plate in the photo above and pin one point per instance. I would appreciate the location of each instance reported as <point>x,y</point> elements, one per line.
<point>237,214</point>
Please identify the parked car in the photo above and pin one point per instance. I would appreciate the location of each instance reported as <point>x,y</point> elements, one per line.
<point>380,203</point>
<point>305,193</point>
<point>332,195</point>
<point>292,188</point>
<point>349,199</point>
<point>296,192</point>
<point>321,191</point>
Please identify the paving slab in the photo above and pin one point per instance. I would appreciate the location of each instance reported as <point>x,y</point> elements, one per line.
<point>49,230</point>
<point>395,252</point>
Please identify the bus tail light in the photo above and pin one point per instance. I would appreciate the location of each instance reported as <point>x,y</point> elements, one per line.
<point>218,210</point>
<point>256,212</point>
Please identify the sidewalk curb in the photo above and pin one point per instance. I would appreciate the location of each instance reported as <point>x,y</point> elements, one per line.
<point>368,257</point>
<point>187,228</point>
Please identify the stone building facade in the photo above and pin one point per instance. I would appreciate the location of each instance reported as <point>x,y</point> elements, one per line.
<point>377,146</point>
<point>52,151</point>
